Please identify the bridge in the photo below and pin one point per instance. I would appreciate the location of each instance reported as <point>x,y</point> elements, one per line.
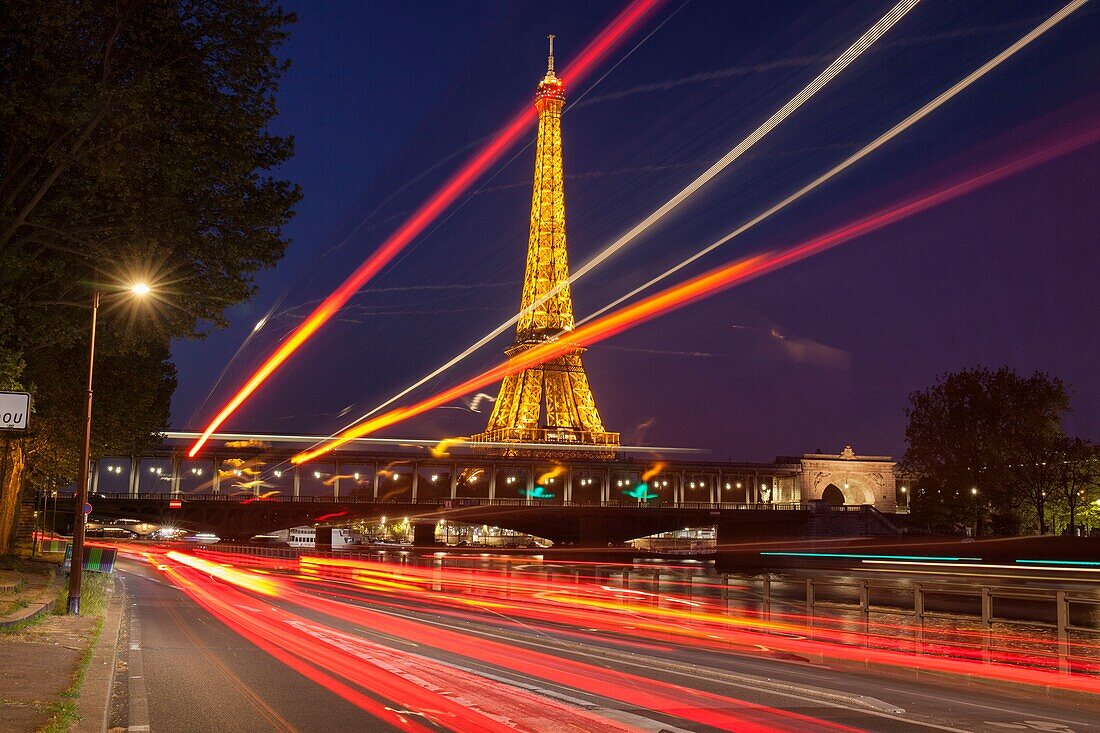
<point>246,486</point>
<point>585,524</point>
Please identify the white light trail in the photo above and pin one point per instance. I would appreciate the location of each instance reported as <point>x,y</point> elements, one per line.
<point>856,157</point>
<point>839,64</point>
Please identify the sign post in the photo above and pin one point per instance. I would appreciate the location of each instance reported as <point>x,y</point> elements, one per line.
<point>14,408</point>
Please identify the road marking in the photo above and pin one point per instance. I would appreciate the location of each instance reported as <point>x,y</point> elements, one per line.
<point>138,713</point>
<point>957,701</point>
<point>754,686</point>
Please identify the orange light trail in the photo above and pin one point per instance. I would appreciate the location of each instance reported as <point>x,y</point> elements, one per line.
<point>614,33</point>
<point>703,286</point>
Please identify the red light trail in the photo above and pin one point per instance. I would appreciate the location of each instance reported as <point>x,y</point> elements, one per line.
<point>480,618</point>
<point>705,285</point>
<point>586,61</point>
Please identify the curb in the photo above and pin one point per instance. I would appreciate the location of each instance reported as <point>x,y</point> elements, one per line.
<point>94,704</point>
<point>28,614</point>
<point>35,610</point>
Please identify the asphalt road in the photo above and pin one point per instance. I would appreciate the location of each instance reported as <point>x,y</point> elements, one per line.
<point>190,671</point>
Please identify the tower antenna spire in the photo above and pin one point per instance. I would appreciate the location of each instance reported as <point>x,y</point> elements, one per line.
<point>550,61</point>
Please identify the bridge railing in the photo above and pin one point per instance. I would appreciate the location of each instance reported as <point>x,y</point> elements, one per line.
<point>445,503</point>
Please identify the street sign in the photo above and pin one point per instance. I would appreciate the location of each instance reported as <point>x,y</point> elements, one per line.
<point>87,508</point>
<point>175,503</point>
<point>14,408</point>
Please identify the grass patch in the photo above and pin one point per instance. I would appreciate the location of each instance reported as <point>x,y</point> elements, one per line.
<point>63,714</point>
<point>93,601</point>
<point>93,595</point>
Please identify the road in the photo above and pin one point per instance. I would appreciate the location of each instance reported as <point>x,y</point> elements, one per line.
<point>215,648</point>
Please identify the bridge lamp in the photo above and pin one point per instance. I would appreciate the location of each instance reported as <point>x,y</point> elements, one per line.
<point>316,474</point>
<point>76,573</point>
<point>278,474</point>
<point>434,478</point>
<point>974,491</point>
<point>903,489</point>
<point>739,484</point>
<point>356,475</point>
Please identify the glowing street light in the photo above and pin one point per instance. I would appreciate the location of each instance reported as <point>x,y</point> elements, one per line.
<point>76,572</point>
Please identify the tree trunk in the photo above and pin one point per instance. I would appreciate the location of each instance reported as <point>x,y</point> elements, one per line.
<point>12,462</point>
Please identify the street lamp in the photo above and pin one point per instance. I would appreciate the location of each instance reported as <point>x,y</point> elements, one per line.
<point>76,566</point>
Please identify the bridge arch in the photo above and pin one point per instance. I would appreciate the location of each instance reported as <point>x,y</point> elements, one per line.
<point>833,496</point>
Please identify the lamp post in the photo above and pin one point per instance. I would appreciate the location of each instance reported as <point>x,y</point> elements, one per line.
<point>76,567</point>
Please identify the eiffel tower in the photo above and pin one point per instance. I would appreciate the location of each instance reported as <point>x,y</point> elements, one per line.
<point>571,414</point>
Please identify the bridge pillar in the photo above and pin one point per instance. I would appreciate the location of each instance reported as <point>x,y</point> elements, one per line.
<point>492,481</point>
<point>415,482</point>
<point>297,480</point>
<point>175,475</point>
<point>594,532</point>
<point>323,541</point>
<point>454,480</point>
<point>135,469</point>
<point>424,534</point>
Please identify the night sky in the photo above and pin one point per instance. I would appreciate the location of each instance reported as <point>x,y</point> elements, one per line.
<point>385,99</point>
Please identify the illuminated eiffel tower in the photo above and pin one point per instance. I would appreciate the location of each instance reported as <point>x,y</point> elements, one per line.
<point>571,414</point>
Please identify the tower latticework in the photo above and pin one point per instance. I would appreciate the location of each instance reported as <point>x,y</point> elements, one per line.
<point>571,414</point>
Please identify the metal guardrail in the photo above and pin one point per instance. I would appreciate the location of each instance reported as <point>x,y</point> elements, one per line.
<point>445,503</point>
<point>987,594</point>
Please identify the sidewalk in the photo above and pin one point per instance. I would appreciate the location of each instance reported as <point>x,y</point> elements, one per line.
<point>54,669</point>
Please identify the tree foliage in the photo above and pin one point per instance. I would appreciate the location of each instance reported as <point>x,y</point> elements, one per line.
<point>989,450</point>
<point>133,146</point>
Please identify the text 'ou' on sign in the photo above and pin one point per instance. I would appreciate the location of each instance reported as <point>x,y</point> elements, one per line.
<point>14,408</point>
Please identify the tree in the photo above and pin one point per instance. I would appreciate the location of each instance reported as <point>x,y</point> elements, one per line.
<point>133,145</point>
<point>988,438</point>
<point>1076,477</point>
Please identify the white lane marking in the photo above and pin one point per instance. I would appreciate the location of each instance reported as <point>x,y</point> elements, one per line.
<point>967,703</point>
<point>867,711</point>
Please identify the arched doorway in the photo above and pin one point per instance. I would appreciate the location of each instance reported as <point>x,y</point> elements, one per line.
<point>833,496</point>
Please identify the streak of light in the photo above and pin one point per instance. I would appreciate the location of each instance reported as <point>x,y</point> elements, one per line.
<point>554,472</point>
<point>238,578</point>
<point>443,447</point>
<point>874,145</point>
<point>872,557</point>
<point>838,65</point>
<point>426,443</point>
<point>656,469</point>
<point>612,35</point>
<point>630,613</point>
<point>402,677</point>
<point>703,286</point>
<point>956,566</point>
